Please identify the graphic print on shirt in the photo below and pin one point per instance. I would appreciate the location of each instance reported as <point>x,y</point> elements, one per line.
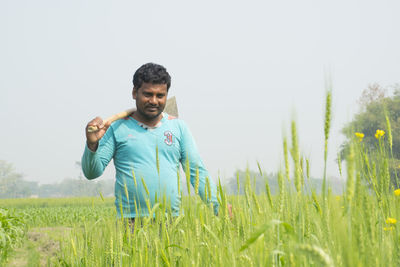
<point>168,138</point>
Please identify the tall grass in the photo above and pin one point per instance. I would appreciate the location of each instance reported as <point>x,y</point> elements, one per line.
<point>12,230</point>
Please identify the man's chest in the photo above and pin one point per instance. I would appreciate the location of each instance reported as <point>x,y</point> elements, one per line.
<point>146,144</point>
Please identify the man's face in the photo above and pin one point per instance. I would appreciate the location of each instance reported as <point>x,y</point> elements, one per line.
<point>150,99</point>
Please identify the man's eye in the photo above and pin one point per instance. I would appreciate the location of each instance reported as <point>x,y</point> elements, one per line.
<point>160,96</point>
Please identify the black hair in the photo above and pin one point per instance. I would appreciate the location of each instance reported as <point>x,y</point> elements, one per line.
<point>151,73</point>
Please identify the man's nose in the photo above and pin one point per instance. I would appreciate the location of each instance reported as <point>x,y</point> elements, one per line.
<point>153,100</point>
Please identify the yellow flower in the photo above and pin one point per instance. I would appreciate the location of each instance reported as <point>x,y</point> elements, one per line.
<point>337,198</point>
<point>388,228</point>
<point>360,136</point>
<point>397,192</point>
<point>379,134</point>
<point>391,220</point>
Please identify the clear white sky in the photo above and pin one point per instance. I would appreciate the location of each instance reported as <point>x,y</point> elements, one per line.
<point>240,70</point>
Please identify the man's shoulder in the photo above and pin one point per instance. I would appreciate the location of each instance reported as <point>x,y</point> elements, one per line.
<point>120,121</point>
<point>116,125</point>
<point>172,120</point>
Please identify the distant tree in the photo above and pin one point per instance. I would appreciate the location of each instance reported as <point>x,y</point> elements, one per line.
<point>72,187</point>
<point>12,184</point>
<point>374,93</point>
<point>375,104</point>
<point>255,179</point>
<point>258,183</point>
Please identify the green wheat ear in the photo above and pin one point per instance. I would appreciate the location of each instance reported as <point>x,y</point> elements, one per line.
<point>267,188</point>
<point>145,187</point>
<point>196,185</point>
<point>302,171</point>
<point>286,157</point>
<point>187,173</point>
<point>389,131</point>
<point>327,126</point>
<point>281,183</point>
<point>296,157</point>
<point>126,192</point>
<point>206,191</point>
<point>350,187</point>
<point>308,169</point>
<point>208,188</point>
<point>178,178</point>
<point>157,161</point>
<point>134,177</point>
<point>339,162</point>
<point>259,168</point>
<point>101,196</point>
<point>238,182</point>
<point>73,247</point>
<point>120,207</point>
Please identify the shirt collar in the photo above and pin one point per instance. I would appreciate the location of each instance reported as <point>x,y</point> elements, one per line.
<point>151,128</point>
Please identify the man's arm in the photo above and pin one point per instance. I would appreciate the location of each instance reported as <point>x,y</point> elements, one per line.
<point>99,149</point>
<point>190,155</point>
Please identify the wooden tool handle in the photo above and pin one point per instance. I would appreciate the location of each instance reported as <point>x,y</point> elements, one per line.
<point>113,118</point>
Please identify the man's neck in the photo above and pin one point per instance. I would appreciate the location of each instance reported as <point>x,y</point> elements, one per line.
<point>152,123</point>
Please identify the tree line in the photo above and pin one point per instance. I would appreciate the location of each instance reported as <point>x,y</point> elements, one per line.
<point>13,185</point>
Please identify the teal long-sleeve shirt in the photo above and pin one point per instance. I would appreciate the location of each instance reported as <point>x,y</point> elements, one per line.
<point>139,179</point>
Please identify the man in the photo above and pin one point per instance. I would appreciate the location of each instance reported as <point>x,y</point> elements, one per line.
<point>147,148</point>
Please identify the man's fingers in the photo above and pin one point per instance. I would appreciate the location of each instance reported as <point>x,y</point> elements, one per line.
<point>95,125</point>
<point>96,128</point>
<point>230,211</point>
<point>92,129</point>
<point>107,124</point>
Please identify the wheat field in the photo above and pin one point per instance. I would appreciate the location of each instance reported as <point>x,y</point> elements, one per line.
<point>294,227</point>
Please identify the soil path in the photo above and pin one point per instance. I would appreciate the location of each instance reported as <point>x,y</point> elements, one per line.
<point>40,247</point>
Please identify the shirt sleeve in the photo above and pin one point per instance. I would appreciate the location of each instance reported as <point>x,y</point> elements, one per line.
<point>190,155</point>
<point>94,163</point>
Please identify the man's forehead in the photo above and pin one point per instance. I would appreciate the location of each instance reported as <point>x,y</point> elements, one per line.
<point>154,87</point>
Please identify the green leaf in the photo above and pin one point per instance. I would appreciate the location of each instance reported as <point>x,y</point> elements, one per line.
<point>255,236</point>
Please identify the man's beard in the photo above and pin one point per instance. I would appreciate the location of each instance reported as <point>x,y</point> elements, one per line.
<point>150,116</point>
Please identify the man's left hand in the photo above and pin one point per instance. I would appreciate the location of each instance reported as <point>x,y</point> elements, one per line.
<point>230,211</point>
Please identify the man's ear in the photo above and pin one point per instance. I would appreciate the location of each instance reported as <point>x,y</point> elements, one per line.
<point>134,93</point>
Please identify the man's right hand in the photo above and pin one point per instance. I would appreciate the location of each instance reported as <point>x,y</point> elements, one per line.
<point>92,138</point>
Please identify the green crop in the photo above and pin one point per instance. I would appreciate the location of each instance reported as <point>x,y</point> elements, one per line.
<point>12,229</point>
